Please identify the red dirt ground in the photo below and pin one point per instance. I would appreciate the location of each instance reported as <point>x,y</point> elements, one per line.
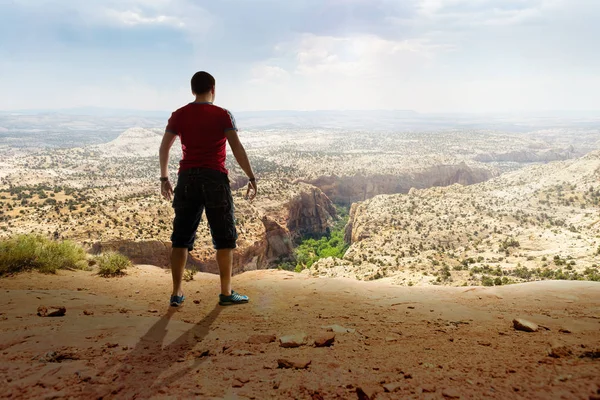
<point>404,343</point>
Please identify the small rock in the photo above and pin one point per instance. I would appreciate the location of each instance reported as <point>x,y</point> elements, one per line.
<point>153,311</point>
<point>428,389</point>
<point>559,351</point>
<point>239,382</point>
<point>202,353</point>
<point>261,339</point>
<point>591,354</point>
<point>55,311</point>
<point>112,345</point>
<point>59,356</point>
<point>299,363</point>
<point>367,392</point>
<point>564,330</point>
<point>391,339</point>
<point>486,344</point>
<point>450,394</point>
<point>338,329</point>
<point>524,325</point>
<point>296,340</point>
<point>392,387</point>
<point>237,352</point>
<point>196,301</point>
<point>325,340</point>
<point>88,312</point>
<point>123,310</point>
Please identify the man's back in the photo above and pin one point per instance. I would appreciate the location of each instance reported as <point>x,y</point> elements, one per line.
<point>202,184</point>
<point>201,128</point>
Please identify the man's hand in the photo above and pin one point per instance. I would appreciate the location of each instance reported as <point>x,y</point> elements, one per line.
<point>252,190</point>
<point>166,190</point>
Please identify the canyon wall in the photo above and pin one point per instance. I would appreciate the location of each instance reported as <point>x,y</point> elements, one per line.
<point>350,189</point>
<point>151,252</point>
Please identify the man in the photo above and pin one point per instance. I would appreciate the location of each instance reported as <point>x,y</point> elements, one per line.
<point>203,183</point>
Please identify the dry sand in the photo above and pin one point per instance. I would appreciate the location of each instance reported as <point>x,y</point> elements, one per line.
<point>422,343</point>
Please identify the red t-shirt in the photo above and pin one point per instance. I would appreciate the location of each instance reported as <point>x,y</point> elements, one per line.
<point>201,128</point>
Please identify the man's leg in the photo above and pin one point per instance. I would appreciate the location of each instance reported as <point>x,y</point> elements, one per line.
<point>178,260</point>
<point>221,219</point>
<point>225,262</point>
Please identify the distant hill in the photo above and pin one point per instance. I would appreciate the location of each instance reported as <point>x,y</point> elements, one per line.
<point>134,142</point>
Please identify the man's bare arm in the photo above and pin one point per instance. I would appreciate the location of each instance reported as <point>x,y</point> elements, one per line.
<point>163,154</point>
<point>242,158</point>
<point>239,152</point>
<point>165,146</point>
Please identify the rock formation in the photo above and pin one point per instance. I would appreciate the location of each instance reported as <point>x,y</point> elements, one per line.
<point>151,252</point>
<point>350,189</point>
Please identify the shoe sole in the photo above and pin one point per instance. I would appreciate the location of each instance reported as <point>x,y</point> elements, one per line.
<point>232,303</point>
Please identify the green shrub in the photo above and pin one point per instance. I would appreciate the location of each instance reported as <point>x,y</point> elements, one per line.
<point>487,281</point>
<point>112,264</point>
<point>188,274</point>
<point>27,252</point>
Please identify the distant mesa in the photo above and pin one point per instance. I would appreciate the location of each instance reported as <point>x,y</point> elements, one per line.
<point>134,142</point>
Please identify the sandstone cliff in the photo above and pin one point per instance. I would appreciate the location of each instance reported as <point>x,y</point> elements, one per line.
<point>151,252</point>
<point>350,189</point>
<point>309,212</point>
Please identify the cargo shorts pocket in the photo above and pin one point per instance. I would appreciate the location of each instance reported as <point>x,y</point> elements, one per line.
<point>217,196</point>
<point>180,195</point>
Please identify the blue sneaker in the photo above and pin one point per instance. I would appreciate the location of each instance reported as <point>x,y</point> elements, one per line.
<point>235,298</point>
<point>177,300</point>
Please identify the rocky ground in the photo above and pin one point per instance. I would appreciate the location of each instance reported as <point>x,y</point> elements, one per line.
<point>119,339</point>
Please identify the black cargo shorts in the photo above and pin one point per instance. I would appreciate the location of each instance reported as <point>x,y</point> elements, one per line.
<point>200,189</point>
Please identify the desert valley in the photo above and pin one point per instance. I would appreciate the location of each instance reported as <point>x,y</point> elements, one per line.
<point>418,236</point>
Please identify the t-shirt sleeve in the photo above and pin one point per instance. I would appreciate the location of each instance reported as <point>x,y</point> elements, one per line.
<point>229,121</point>
<point>173,125</point>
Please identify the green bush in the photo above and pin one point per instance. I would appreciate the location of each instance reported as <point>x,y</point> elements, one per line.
<point>27,252</point>
<point>311,250</point>
<point>188,274</point>
<point>487,281</point>
<point>112,264</point>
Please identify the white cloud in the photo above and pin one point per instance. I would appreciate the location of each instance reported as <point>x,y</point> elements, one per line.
<point>465,13</point>
<point>185,14</point>
<point>364,56</point>
<point>263,73</point>
<point>133,18</point>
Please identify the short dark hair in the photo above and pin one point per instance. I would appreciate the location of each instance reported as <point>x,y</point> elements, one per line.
<point>202,82</point>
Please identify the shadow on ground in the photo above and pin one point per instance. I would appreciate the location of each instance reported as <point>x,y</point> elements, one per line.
<point>148,370</point>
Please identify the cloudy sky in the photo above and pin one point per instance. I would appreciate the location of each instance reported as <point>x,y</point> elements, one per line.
<point>423,55</point>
